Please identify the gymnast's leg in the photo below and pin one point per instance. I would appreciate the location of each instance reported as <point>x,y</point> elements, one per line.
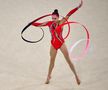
<point>53,53</point>
<point>66,55</point>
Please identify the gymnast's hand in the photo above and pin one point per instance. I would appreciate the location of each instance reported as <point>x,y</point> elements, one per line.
<point>80,5</point>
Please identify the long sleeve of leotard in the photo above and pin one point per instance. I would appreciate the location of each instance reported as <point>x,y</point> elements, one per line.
<point>72,11</point>
<point>36,24</point>
<point>43,24</point>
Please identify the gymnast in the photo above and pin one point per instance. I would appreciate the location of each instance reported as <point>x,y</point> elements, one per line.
<point>57,41</point>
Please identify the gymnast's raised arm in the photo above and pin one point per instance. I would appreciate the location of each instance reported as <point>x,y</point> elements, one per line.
<point>63,20</point>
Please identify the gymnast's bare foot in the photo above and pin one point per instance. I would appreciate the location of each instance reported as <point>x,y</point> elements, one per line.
<point>78,81</point>
<point>48,80</point>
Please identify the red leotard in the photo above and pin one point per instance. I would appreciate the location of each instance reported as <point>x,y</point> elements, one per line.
<point>57,39</point>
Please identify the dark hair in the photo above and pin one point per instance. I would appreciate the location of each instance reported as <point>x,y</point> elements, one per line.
<point>55,12</point>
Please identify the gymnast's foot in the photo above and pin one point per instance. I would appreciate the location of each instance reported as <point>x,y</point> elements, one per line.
<point>78,81</point>
<point>48,80</point>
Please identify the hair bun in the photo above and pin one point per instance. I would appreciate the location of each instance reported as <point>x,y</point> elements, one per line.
<point>56,10</point>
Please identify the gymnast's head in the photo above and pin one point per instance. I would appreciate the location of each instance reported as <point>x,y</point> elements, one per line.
<point>55,15</point>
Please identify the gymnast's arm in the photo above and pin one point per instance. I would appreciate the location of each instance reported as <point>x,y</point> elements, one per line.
<point>63,20</point>
<point>40,24</point>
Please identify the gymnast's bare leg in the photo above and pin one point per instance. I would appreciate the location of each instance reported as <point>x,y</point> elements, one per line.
<point>66,55</point>
<point>53,53</point>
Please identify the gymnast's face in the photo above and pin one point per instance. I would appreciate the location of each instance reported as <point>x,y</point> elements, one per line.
<point>55,18</point>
